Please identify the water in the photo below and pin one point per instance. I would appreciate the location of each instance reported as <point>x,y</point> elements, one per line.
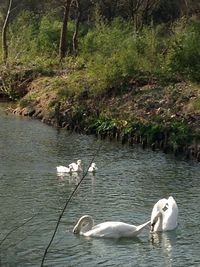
<point>127,185</point>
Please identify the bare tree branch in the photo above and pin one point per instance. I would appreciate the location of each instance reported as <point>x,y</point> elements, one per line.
<point>64,208</point>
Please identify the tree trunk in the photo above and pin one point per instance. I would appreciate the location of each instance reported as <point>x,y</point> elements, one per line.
<point>63,39</point>
<point>75,41</point>
<point>4,34</point>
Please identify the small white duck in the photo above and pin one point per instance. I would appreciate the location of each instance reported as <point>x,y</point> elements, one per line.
<point>93,168</point>
<point>63,169</point>
<point>85,226</point>
<point>76,167</point>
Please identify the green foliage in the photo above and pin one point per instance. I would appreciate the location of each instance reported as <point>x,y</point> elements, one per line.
<point>24,102</point>
<point>179,135</point>
<point>35,39</point>
<point>196,104</point>
<point>104,124</point>
<point>22,37</point>
<point>115,51</point>
<point>108,53</point>
<point>49,33</point>
<point>185,57</point>
<point>8,87</point>
<point>151,44</point>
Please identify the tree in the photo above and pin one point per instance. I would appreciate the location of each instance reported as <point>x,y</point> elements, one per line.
<point>78,17</point>
<point>80,12</point>
<point>63,41</point>
<point>4,33</point>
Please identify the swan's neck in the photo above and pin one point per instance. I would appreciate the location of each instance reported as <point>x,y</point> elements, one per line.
<point>158,222</point>
<point>84,224</point>
<point>140,227</point>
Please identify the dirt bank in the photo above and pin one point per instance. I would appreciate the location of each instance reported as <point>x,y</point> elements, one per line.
<point>151,113</point>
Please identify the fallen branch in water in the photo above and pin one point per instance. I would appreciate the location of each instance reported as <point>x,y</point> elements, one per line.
<point>64,208</point>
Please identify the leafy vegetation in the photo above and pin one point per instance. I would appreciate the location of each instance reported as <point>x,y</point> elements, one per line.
<point>108,52</point>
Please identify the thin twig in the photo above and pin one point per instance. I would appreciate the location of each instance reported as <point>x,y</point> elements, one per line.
<point>64,208</point>
<point>19,226</point>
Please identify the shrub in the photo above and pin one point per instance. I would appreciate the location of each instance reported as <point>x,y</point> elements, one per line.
<point>114,51</point>
<point>49,34</point>
<point>185,57</point>
<point>23,37</point>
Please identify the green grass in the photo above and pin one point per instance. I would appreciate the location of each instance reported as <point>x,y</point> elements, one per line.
<point>196,103</point>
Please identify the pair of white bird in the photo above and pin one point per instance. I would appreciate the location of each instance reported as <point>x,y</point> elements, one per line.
<point>75,167</point>
<point>163,218</point>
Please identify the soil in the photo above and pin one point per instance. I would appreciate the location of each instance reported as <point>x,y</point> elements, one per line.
<point>150,102</point>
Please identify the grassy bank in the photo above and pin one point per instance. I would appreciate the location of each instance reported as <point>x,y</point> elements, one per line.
<point>147,111</point>
<point>124,85</point>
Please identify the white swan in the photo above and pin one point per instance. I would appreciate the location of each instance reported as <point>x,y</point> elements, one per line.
<point>76,167</point>
<point>164,215</point>
<point>63,169</point>
<point>85,226</point>
<point>93,168</point>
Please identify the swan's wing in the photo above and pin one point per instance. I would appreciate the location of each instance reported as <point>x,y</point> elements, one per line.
<point>74,166</point>
<point>62,169</point>
<point>90,169</point>
<point>113,230</point>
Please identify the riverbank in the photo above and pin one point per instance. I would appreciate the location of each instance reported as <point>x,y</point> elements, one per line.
<point>157,113</point>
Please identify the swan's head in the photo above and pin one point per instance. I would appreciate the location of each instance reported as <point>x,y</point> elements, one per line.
<point>79,161</point>
<point>84,224</point>
<point>157,213</point>
<point>93,166</point>
<point>70,168</point>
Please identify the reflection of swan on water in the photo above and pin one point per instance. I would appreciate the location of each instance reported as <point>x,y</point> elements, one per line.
<point>164,215</point>
<point>166,241</point>
<point>63,169</point>
<point>72,177</point>
<point>93,168</point>
<point>85,226</point>
<point>76,167</point>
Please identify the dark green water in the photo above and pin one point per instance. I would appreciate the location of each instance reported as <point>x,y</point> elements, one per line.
<point>127,185</point>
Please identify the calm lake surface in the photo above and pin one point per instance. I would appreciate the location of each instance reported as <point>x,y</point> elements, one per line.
<point>125,188</point>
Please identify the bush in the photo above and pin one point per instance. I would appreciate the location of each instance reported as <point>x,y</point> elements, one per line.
<point>185,57</point>
<point>114,51</point>
<point>49,34</point>
<point>36,39</point>
<point>23,37</point>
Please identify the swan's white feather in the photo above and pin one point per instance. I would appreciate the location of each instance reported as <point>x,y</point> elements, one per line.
<point>110,229</point>
<point>63,169</point>
<point>93,167</point>
<point>114,230</point>
<point>164,215</point>
<point>76,167</point>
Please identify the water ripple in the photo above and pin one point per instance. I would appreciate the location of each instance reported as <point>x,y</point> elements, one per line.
<point>128,183</point>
